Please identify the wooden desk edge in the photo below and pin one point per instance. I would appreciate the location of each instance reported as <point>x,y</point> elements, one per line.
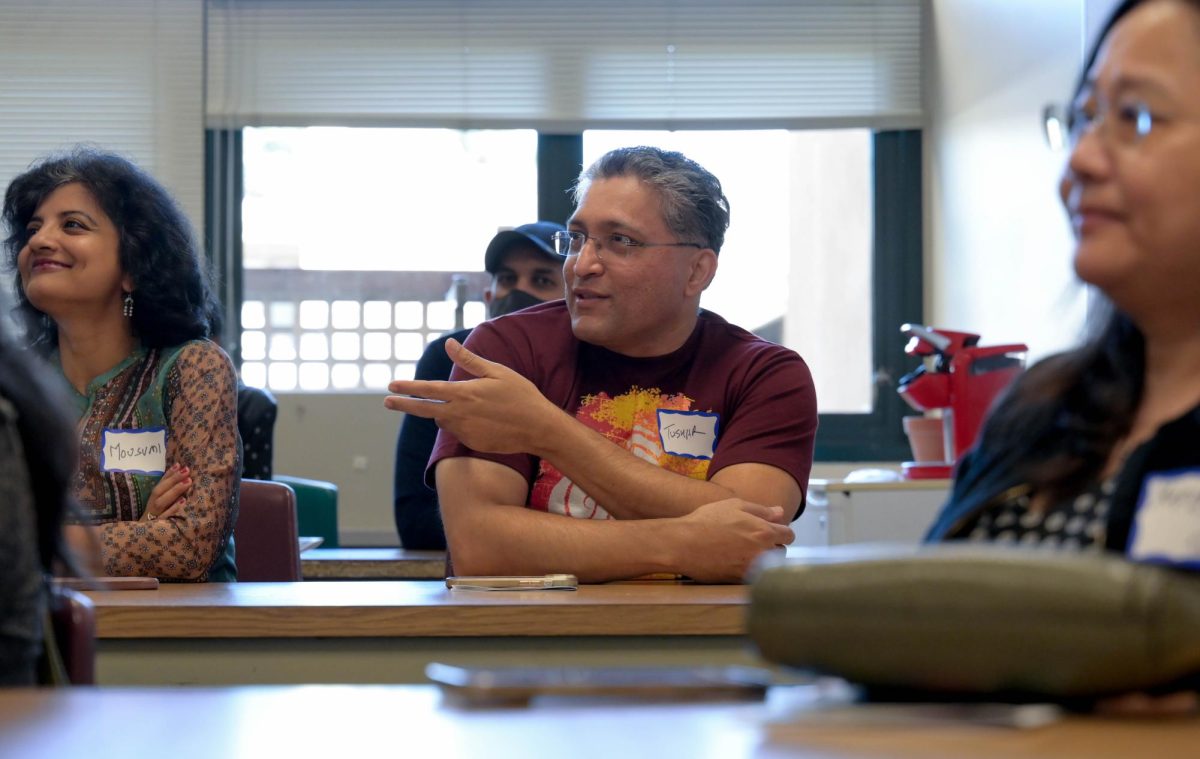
<point>433,621</point>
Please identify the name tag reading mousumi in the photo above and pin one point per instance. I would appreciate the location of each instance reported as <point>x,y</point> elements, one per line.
<point>141,451</point>
<point>1166,526</point>
<point>691,434</point>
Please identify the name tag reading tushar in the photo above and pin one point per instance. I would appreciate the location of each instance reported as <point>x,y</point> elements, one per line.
<point>1166,526</point>
<point>136,451</point>
<point>691,434</point>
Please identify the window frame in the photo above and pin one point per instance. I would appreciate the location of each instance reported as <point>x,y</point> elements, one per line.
<point>897,267</point>
<point>897,291</point>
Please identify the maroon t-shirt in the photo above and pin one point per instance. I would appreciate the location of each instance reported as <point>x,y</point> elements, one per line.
<point>725,397</point>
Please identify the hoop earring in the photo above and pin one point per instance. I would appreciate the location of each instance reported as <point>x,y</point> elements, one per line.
<point>128,309</point>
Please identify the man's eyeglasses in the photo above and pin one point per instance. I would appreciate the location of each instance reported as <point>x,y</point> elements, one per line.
<point>613,245</point>
<point>1125,124</point>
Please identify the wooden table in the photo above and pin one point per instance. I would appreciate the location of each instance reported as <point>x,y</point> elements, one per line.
<point>372,564</point>
<point>395,563</point>
<point>332,721</point>
<point>386,632</point>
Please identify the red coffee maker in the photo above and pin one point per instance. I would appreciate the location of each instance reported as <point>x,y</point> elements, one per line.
<point>961,379</point>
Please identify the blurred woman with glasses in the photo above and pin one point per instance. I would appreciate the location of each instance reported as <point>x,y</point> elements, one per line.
<point>1097,448</point>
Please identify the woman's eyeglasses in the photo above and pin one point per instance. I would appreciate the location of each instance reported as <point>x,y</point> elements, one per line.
<point>1127,123</point>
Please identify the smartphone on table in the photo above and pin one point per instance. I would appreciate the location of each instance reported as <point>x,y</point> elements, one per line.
<point>510,686</point>
<point>514,582</point>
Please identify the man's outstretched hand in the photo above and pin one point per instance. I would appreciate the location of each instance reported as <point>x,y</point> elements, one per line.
<point>497,412</point>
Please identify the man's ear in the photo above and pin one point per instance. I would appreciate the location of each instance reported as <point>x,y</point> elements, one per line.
<point>488,295</point>
<point>704,268</point>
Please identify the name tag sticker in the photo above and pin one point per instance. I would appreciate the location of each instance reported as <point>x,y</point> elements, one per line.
<point>691,434</point>
<point>135,451</point>
<point>1166,526</point>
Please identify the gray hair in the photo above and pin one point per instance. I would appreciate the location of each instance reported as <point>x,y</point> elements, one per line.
<point>694,206</point>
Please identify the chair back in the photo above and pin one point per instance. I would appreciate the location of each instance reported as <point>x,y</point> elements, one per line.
<point>316,507</point>
<point>265,536</point>
<point>74,621</point>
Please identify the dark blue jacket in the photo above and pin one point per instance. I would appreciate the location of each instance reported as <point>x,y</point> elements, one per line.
<point>984,474</point>
<point>418,520</point>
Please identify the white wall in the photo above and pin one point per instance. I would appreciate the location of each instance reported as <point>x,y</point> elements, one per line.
<point>997,242</point>
<point>349,440</point>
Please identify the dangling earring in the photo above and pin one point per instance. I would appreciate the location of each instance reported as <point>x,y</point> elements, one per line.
<point>128,310</point>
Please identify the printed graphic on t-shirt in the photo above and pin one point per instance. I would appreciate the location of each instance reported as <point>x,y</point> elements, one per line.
<point>629,420</point>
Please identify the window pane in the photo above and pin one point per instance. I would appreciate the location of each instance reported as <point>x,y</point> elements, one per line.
<point>377,314</point>
<point>410,315</point>
<point>415,180</point>
<point>474,313</point>
<point>342,294</point>
<point>345,314</point>
<point>314,376</point>
<point>377,346</point>
<point>283,315</point>
<point>283,347</point>
<point>254,315</point>
<point>345,376</point>
<point>377,376</point>
<point>440,315</point>
<point>314,346</point>
<point>254,374</point>
<point>254,346</point>
<point>314,314</point>
<point>345,346</point>
<point>282,376</point>
<point>796,264</point>
<point>409,345</point>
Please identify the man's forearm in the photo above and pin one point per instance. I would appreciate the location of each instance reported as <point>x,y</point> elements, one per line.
<point>626,486</point>
<point>714,543</point>
<point>514,540</point>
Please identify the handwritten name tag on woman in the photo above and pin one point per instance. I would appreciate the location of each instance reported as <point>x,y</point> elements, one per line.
<point>136,451</point>
<point>1166,527</point>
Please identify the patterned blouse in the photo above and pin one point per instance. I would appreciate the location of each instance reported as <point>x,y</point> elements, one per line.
<point>191,390</point>
<point>1078,524</point>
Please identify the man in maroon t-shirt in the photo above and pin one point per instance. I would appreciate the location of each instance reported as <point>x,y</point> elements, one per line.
<point>623,431</point>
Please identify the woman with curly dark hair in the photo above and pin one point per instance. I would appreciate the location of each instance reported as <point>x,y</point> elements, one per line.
<point>112,291</point>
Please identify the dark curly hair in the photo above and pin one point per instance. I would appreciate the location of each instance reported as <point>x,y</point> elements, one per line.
<point>157,250</point>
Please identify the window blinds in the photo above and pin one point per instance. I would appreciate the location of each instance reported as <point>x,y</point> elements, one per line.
<point>565,65</point>
<point>126,75</point>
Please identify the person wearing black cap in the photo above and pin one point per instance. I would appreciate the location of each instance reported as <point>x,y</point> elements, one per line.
<point>525,271</point>
<point>623,431</point>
